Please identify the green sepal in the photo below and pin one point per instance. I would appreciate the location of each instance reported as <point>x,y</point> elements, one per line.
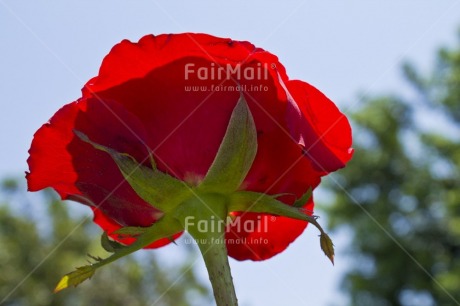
<point>262,203</point>
<point>159,189</point>
<point>110,245</point>
<point>236,153</point>
<point>164,228</point>
<point>279,195</point>
<point>130,231</point>
<point>211,207</point>
<point>248,201</point>
<point>300,202</point>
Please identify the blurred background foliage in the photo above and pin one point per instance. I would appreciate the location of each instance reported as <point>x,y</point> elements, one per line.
<point>38,247</point>
<point>399,198</point>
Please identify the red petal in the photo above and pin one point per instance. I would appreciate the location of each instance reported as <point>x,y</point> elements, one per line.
<point>319,127</point>
<point>49,162</point>
<point>76,170</point>
<point>273,235</point>
<point>128,60</point>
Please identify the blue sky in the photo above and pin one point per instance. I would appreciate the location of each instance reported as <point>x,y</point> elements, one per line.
<point>49,49</point>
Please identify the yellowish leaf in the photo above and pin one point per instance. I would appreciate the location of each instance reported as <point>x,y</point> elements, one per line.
<point>75,278</point>
<point>327,246</point>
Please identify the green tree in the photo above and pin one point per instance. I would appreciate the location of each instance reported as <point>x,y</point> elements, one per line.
<point>399,198</point>
<point>38,247</point>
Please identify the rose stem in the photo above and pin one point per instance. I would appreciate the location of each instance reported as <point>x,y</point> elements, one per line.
<point>210,239</point>
<point>216,260</point>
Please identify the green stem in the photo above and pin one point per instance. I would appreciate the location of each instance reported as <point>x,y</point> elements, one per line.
<point>205,218</point>
<point>216,260</point>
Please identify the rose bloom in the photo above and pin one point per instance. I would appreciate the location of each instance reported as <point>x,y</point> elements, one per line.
<point>173,95</point>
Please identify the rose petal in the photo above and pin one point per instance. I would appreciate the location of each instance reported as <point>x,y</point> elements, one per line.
<point>129,60</point>
<point>319,127</point>
<point>273,235</point>
<point>59,159</point>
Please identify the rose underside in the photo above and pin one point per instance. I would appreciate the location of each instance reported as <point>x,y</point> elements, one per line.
<point>143,100</point>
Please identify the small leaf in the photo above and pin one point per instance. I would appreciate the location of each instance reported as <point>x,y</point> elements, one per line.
<point>303,199</point>
<point>164,228</point>
<point>110,245</point>
<point>236,153</point>
<point>75,278</point>
<point>327,246</point>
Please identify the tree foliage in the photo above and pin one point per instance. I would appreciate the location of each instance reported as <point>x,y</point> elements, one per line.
<point>39,246</point>
<point>399,198</point>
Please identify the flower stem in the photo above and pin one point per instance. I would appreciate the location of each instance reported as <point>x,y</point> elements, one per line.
<point>216,260</point>
<point>205,219</point>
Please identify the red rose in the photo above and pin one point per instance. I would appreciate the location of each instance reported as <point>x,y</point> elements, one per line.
<point>173,95</point>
